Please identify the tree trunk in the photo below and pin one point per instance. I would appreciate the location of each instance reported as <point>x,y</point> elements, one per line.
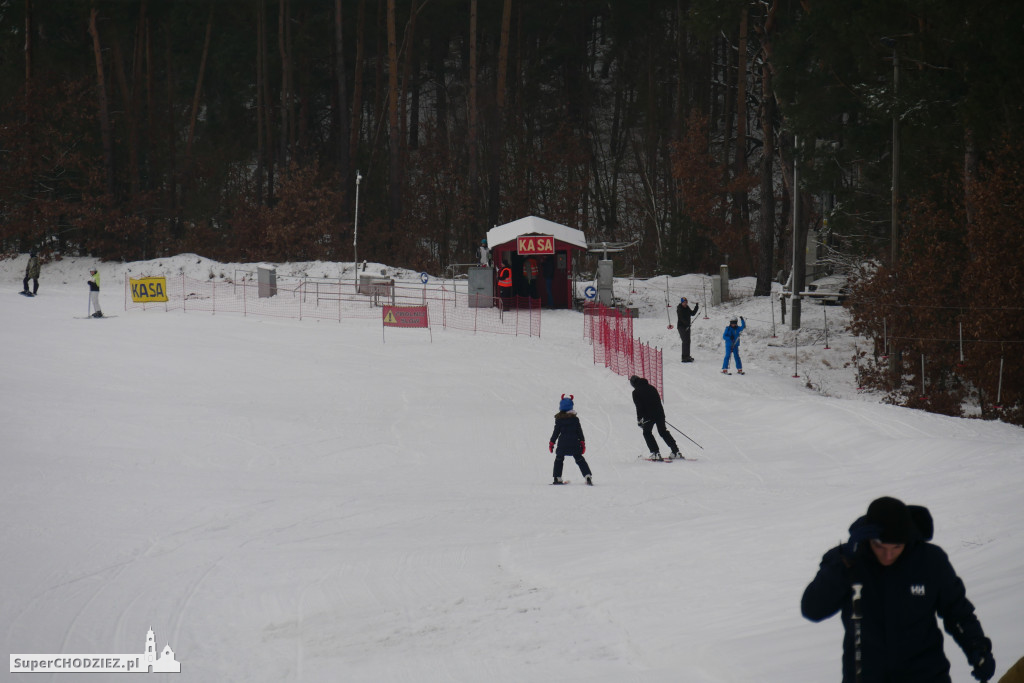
<point>394,141</point>
<point>766,231</point>
<point>357,85</point>
<point>261,149</point>
<point>28,50</point>
<point>474,175</point>
<point>342,106</point>
<point>130,115</point>
<point>283,45</point>
<point>498,134</point>
<point>104,114</point>
<point>198,91</point>
<point>740,209</point>
<point>407,49</point>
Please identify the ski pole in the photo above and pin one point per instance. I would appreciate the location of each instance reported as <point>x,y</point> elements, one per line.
<point>684,434</point>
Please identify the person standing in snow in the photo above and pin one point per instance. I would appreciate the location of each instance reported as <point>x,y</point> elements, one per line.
<point>651,414</point>
<point>482,255</point>
<point>889,583</point>
<point>732,343</point>
<point>568,436</point>
<point>684,317</point>
<point>94,293</point>
<point>530,271</point>
<point>547,269</point>
<point>31,273</point>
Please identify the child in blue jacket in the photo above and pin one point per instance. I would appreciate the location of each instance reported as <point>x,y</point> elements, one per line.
<point>569,436</point>
<point>732,343</point>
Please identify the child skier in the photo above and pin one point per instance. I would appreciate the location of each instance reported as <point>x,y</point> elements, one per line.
<point>732,344</point>
<point>569,436</point>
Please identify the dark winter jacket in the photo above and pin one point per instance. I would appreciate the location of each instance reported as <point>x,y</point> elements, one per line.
<point>32,269</point>
<point>568,434</point>
<point>647,401</point>
<point>684,315</point>
<point>900,638</point>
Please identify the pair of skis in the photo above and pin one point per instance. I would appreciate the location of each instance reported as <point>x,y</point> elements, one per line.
<point>670,459</point>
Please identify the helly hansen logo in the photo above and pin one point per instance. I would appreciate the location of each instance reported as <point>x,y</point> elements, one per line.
<point>917,589</point>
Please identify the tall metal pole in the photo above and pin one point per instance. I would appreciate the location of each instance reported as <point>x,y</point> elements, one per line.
<point>794,317</point>
<point>355,234</point>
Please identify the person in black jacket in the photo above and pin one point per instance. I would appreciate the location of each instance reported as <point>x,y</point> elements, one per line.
<point>889,583</point>
<point>568,435</point>
<point>650,414</point>
<point>684,316</point>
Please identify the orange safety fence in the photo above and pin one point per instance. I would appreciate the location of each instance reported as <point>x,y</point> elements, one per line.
<point>611,332</point>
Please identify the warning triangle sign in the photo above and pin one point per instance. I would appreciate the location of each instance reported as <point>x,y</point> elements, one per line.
<point>390,318</point>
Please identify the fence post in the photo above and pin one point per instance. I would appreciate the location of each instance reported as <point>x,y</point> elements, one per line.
<point>796,353</point>
<point>825,313</point>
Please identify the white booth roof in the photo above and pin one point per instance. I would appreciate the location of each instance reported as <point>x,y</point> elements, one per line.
<point>531,225</point>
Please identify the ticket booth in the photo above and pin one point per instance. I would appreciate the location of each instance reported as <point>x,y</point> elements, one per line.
<point>539,253</point>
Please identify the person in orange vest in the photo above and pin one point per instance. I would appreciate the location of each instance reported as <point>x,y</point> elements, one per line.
<point>505,281</point>
<point>530,272</point>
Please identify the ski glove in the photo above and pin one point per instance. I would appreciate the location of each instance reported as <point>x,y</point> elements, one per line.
<point>583,447</point>
<point>982,661</point>
<point>861,531</point>
<point>551,446</point>
<point>641,423</point>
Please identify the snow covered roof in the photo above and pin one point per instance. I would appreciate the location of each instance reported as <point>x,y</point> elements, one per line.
<point>531,225</point>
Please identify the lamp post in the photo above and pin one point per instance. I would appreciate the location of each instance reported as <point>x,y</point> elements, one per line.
<point>355,234</point>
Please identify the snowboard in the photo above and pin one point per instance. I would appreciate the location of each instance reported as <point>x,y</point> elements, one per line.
<point>89,317</point>
<point>28,294</point>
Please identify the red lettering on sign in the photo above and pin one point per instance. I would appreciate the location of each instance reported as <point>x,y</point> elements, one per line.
<point>530,245</point>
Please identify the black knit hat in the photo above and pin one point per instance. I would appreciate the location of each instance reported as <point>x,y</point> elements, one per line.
<point>892,519</point>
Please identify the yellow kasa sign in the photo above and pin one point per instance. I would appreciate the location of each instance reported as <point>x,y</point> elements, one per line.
<point>148,289</point>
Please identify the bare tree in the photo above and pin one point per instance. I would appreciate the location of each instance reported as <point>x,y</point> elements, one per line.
<point>101,96</point>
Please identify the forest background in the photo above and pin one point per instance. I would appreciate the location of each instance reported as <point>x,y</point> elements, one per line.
<point>703,131</point>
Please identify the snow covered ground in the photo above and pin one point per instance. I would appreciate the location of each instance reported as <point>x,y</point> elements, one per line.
<point>286,500</point>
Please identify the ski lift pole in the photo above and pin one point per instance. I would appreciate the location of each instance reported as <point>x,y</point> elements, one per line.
<point>684,434</point>
<point>668,306</point>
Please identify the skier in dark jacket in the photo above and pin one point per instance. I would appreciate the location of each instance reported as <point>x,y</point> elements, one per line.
<point>684,316</point>
<point>31,273</point>
<point>650,414</point>
<point>568,435</point>
<point>889,583</point>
